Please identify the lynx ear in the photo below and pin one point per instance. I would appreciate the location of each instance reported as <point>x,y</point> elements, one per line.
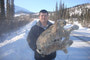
<point>65,51</point>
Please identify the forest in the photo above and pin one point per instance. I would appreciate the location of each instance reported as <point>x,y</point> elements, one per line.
<point>8,21</point>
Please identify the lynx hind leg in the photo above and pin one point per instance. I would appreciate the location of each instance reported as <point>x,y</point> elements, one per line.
<point>66,43</point>
<point>65,50</point>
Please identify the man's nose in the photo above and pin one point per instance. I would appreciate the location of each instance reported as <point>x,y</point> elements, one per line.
<point>43,16</point>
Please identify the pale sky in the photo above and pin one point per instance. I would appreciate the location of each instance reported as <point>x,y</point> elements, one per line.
<point>37,5</point>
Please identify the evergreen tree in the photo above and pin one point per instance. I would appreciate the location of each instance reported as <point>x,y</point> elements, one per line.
<point>12,9</point>
<point>67,15</point>
<point>63,11</point>
<point>56,12</point>
<point>60,14</point>
<point>60,10</point>
<point>8,9</point>
<point>87,17</point>
<point>2,10</point>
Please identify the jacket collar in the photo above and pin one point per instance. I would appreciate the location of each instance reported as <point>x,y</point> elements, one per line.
<point>44,27</point>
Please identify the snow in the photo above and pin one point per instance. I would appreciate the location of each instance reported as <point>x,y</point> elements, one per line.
<point>88,6</point>
<point>77,11</point>
<point>21,14</point>
<point>14,46</point>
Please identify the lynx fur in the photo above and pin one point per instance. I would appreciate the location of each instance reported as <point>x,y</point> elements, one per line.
<point>55,38</point>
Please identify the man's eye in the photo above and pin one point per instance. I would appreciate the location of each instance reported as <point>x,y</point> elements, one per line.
<point>44,15</point>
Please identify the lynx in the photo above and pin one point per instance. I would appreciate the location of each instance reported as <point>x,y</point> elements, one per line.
<point>55,38</point>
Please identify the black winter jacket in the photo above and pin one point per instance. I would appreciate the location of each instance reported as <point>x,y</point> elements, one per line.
<point>34,33</point>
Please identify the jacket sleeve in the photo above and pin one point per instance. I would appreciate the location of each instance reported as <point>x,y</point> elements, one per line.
<point>31,38</point>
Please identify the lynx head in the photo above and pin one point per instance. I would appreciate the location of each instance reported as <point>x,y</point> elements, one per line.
<point>61,23</point>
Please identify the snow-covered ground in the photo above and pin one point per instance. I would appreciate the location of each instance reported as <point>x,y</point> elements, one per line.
<point>14,46</point>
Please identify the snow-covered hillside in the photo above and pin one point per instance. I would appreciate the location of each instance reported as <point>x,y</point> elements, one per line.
<point>15,47</point>
<point>79,9</point>
<point>21,10</point>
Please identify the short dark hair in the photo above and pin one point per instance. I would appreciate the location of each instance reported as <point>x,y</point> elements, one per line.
<point>43,11</point>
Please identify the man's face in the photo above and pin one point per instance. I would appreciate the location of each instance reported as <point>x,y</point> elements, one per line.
<point>43,17</point>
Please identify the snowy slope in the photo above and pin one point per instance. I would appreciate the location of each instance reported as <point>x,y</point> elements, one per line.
<point>79,9</point>
<point>15,46</point>
<point>21,10</point>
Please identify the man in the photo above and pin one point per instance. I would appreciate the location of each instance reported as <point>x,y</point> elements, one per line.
<point>34,33</point>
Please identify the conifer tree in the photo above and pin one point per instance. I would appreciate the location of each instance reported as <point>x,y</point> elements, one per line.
<point>12,9</point>
<point>61,10</point>
<point>8,9</point>
<point>2,10</point>
<point>56,12</point>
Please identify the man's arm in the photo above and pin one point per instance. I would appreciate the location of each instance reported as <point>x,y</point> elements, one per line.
<point>31,38</point>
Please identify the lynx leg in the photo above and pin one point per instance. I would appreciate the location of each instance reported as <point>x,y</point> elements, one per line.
<point>65,51</point>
